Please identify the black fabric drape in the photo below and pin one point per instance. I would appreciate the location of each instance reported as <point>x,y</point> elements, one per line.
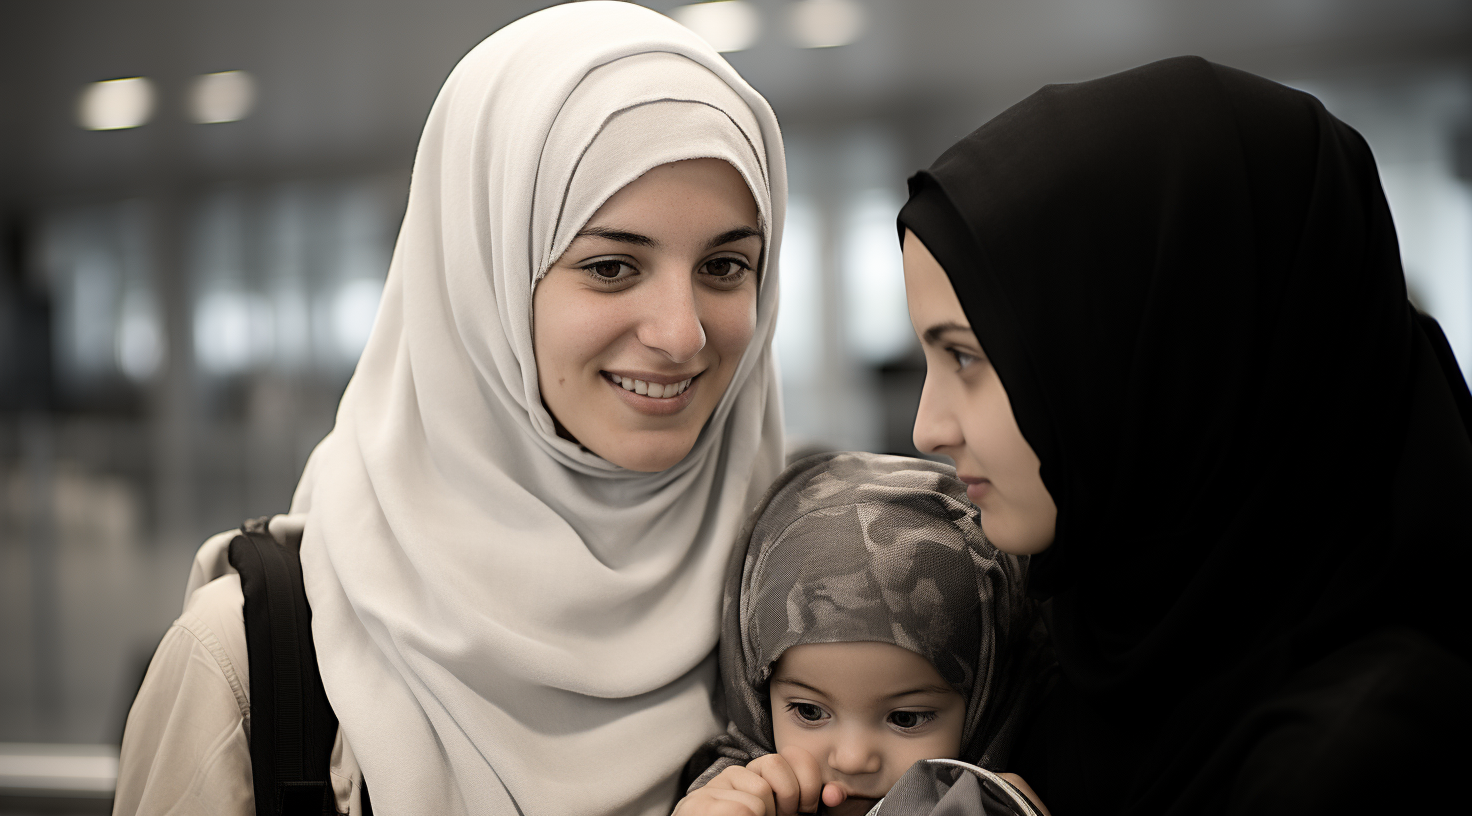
<point>1188,281</point>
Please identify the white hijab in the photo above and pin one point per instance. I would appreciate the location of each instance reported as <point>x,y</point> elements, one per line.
<point>506,622</point>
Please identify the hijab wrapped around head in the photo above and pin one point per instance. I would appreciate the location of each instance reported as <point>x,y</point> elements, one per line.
<point>861,547</point>
<point>506,622</point>
<point>1188,281</point>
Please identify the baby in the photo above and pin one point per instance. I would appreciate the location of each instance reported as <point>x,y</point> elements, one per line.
<point>867,624</point>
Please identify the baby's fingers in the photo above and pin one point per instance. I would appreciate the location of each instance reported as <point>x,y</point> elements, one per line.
<point>710,801</point>
<point>809,777</point>
<point>746,781</point>
<point>779,776</point>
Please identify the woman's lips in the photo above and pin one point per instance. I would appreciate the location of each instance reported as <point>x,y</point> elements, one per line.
<point>976,487</point>
<point>628,388</point>
<point>656,387</point>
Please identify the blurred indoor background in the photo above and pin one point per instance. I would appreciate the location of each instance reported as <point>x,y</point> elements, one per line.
<point>198,201</point>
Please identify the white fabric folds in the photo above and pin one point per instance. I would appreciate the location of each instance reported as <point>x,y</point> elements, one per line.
<point>507,623</point>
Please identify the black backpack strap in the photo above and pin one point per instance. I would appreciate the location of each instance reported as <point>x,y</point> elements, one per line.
<point>292,724</point>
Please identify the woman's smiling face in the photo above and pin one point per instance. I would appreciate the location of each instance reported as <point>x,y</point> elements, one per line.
<point>639,326</point>
<point>965,414</point>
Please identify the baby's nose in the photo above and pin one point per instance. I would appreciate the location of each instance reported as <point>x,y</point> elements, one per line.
<point>855,754</point>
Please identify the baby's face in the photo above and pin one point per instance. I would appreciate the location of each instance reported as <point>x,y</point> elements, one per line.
<point>866,712</point>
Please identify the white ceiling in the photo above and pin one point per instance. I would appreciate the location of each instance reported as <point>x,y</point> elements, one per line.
<point>345,84</point>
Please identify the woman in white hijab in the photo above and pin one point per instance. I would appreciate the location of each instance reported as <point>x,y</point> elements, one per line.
<point>514,537</point>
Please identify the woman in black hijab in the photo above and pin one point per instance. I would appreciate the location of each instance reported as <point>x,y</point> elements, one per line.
<point>1179,289</point>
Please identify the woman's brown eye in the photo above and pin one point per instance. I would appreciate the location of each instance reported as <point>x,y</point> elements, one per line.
<point>721,267</point>
<point>606,269</point>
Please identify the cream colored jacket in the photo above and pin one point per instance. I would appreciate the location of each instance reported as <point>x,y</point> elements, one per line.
<point>186,745</point>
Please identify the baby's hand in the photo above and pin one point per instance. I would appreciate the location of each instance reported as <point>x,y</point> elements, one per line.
<point>795,779</point>
<point>736,791</point>
<point>773,785</point>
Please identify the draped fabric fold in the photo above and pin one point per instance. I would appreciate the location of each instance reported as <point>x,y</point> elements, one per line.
<point>506,622</point>
<point>1187,278</point>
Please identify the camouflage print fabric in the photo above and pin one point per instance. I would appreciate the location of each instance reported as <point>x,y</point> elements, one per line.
<point>852,547</point>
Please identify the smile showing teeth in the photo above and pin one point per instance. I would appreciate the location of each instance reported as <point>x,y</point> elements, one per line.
<point>648,389</point>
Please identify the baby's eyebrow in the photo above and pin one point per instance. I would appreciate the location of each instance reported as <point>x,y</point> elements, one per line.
<point>933,690</point>
<point>791,682</point>
<point>923,690</point>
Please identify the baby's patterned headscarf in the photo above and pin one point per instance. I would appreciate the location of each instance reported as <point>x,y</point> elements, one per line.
<point>849,547</point>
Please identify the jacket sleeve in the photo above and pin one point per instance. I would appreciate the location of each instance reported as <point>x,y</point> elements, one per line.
<point>186,746</point>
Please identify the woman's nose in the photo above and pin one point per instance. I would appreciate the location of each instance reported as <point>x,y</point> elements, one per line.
<point>935,424</point>
<point>670,321</point>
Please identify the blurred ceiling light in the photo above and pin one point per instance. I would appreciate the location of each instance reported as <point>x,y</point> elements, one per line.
<point>115,104</point>
<point>826,23</point>
<point>728,25</point>
<point>223,97</point>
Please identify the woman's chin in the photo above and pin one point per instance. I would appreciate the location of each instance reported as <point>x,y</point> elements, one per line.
<point>644,455</point>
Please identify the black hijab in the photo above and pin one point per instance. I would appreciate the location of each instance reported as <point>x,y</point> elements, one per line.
<point>1188,281</point>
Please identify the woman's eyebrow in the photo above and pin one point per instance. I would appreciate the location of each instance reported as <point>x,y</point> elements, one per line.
<point>626,237</point>
<point>731,236</point>
<point>621,236</point>
<point>933,334</point>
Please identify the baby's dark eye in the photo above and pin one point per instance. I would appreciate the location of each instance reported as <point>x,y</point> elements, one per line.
<point>807,711</point>
<point>910,719</point>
